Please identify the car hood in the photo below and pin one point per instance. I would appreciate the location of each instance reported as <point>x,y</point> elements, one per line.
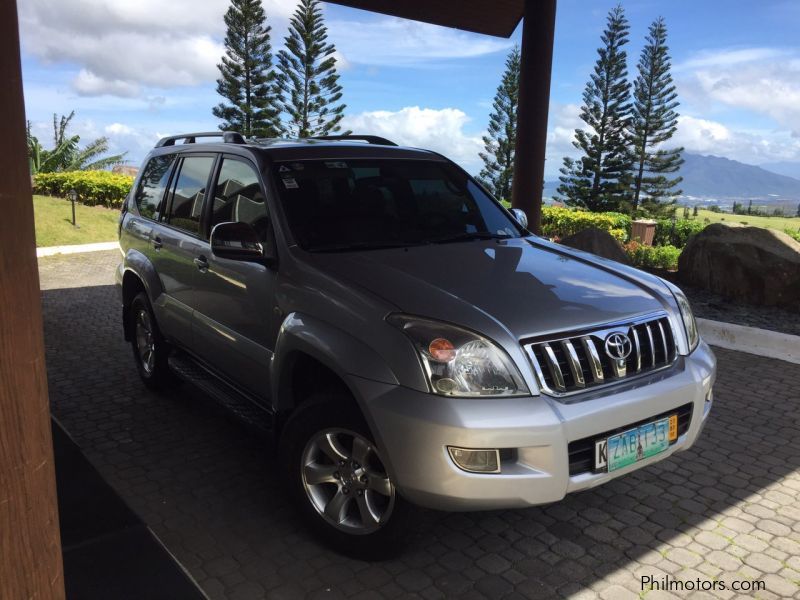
<point>530,288</point>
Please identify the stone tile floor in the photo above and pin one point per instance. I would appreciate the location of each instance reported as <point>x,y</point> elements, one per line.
<point>727,511</point>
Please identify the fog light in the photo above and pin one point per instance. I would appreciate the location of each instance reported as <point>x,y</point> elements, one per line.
<point>476,460</point>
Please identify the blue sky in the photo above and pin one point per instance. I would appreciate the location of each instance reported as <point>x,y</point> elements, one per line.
<point>137,69</point>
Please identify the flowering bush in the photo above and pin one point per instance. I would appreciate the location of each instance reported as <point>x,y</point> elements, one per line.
<point>661,257</point>
<point>92,187</point>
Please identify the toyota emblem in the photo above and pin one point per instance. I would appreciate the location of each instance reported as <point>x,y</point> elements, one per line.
<point>618,346</point>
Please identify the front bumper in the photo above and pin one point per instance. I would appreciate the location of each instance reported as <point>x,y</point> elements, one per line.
<point>414,429</point>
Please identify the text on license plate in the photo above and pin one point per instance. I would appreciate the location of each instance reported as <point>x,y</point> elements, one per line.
<point>636,444</point>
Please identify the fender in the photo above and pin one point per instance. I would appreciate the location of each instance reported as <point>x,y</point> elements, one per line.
<point>333,347</point>
<point>140,265</point>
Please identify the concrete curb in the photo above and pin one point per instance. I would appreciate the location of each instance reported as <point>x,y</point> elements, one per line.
<point>751,340</point>
<point>52,250</point>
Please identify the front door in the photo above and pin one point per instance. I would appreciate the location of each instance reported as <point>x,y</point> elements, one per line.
<point>233,300</point>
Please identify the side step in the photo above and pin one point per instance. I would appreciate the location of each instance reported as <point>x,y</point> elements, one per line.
<point>242,406</point>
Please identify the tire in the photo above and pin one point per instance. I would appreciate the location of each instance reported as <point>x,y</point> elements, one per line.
<point>150,350</point>
<point>372,517</point>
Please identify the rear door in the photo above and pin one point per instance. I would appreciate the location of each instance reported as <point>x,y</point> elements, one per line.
<point>177,242</point>
<point>234,299</point>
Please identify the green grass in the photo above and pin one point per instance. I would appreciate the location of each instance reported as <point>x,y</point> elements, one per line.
<point>54,223</point>
<point>779,223</point>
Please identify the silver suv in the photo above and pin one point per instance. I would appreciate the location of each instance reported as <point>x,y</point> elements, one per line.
<point>402,335</point>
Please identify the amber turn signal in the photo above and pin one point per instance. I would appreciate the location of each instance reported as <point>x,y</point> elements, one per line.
<point>442,350</point>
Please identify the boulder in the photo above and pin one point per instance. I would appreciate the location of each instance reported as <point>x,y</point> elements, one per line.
<point>746,264</point>
<point>597,242</point>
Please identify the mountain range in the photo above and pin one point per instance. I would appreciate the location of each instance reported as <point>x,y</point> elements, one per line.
<point>717,180</point>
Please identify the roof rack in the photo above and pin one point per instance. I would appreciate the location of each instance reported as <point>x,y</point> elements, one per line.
<point>228,137</point>
<point>370,139</point>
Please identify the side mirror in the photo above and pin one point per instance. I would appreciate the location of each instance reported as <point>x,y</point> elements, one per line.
<point>520,217</point>
<point>239,241</point>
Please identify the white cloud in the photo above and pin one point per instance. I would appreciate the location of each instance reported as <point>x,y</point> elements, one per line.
<point>122,45</point>
<point>401,42</point>
<point>765,81</point>
<point>704,136</point>
<point>440,130</point>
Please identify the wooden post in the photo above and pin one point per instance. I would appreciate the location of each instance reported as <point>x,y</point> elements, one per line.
<point>538,27</point>
<point>30,545</point>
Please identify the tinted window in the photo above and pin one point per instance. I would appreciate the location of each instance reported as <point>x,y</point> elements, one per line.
<point>238,197</point>
<point>188,193</point>
<point>152,184</point>
<point>335,204</point>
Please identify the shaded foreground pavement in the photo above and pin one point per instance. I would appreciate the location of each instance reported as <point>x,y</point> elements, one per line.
<point>727,511</point>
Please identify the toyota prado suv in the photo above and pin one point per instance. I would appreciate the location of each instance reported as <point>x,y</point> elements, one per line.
<point>402,335</point>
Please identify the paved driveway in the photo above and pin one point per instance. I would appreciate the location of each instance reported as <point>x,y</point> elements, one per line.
<point>726,511</point>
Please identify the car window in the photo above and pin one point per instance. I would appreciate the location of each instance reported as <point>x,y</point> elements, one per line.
<point>336,205</point>
<point>188,193</point>
<point>238,197</point>
<point>152,183</point>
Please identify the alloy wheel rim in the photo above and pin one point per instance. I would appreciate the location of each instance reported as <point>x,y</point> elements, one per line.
<point>145,341</point>
<point>346,482</point>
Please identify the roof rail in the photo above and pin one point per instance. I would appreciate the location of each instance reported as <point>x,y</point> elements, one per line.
<point>370,139</point>
<point>228,137</point>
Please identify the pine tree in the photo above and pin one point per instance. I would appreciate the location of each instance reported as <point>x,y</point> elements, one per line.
<point>654,121</point>
<point>498,159</point>
<point>307,75</point>
<point>600,178</point>
<point>247,80</point>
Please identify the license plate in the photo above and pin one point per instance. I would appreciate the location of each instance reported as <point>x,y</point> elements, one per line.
<point>636,444</point>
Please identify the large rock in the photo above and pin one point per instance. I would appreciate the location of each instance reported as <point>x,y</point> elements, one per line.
<point>748,264</point>
<point>597,242</point>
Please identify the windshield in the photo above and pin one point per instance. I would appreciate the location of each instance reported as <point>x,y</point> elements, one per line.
<point>339,205</point>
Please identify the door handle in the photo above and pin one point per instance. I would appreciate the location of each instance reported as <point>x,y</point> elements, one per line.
<point>202,263</point>
<point>157,243</point>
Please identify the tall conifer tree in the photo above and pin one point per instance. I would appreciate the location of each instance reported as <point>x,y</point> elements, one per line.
<point>498,156</point>
<point>653,122</point>
<point>307,76</point>
<point>247,81</point>
<point>599,179</point>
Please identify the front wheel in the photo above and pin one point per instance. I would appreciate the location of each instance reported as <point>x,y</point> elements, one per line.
<point>340,481</point>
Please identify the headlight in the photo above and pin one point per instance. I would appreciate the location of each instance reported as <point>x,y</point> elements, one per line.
<point>689,323</point>
<point>459,362</point>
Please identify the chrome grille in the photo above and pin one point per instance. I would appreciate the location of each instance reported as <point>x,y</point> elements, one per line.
<point>572,363</point>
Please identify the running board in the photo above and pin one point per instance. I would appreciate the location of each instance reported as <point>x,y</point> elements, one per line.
<point>242,406</point>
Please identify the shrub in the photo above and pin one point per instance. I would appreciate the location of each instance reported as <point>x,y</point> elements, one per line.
<point>560,222</point>
<point>92,187</point>
<point>793,233</point>
<point>684,228</point>
<point>649,257</point>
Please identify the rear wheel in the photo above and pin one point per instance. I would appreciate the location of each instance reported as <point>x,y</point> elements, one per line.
<point>340,481</point>
<point>150,351</point>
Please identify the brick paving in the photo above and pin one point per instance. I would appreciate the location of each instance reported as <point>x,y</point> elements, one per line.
<point>727,510</point>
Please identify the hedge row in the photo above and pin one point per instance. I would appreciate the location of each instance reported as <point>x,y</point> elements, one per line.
<point>92,187</point>
<point>560,222</point>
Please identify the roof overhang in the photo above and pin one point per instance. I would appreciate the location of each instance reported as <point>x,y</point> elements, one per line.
<point>498,17</point>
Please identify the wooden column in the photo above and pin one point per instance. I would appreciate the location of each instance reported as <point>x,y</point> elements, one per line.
<point>538,27</point>
<point>30,547</point>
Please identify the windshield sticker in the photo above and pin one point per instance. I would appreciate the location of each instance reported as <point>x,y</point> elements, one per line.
<point>335,164</point>
<point>283,169</point>
<point>290,183</point>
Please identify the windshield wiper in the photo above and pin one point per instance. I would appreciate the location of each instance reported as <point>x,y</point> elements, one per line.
<point>474,235</point>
